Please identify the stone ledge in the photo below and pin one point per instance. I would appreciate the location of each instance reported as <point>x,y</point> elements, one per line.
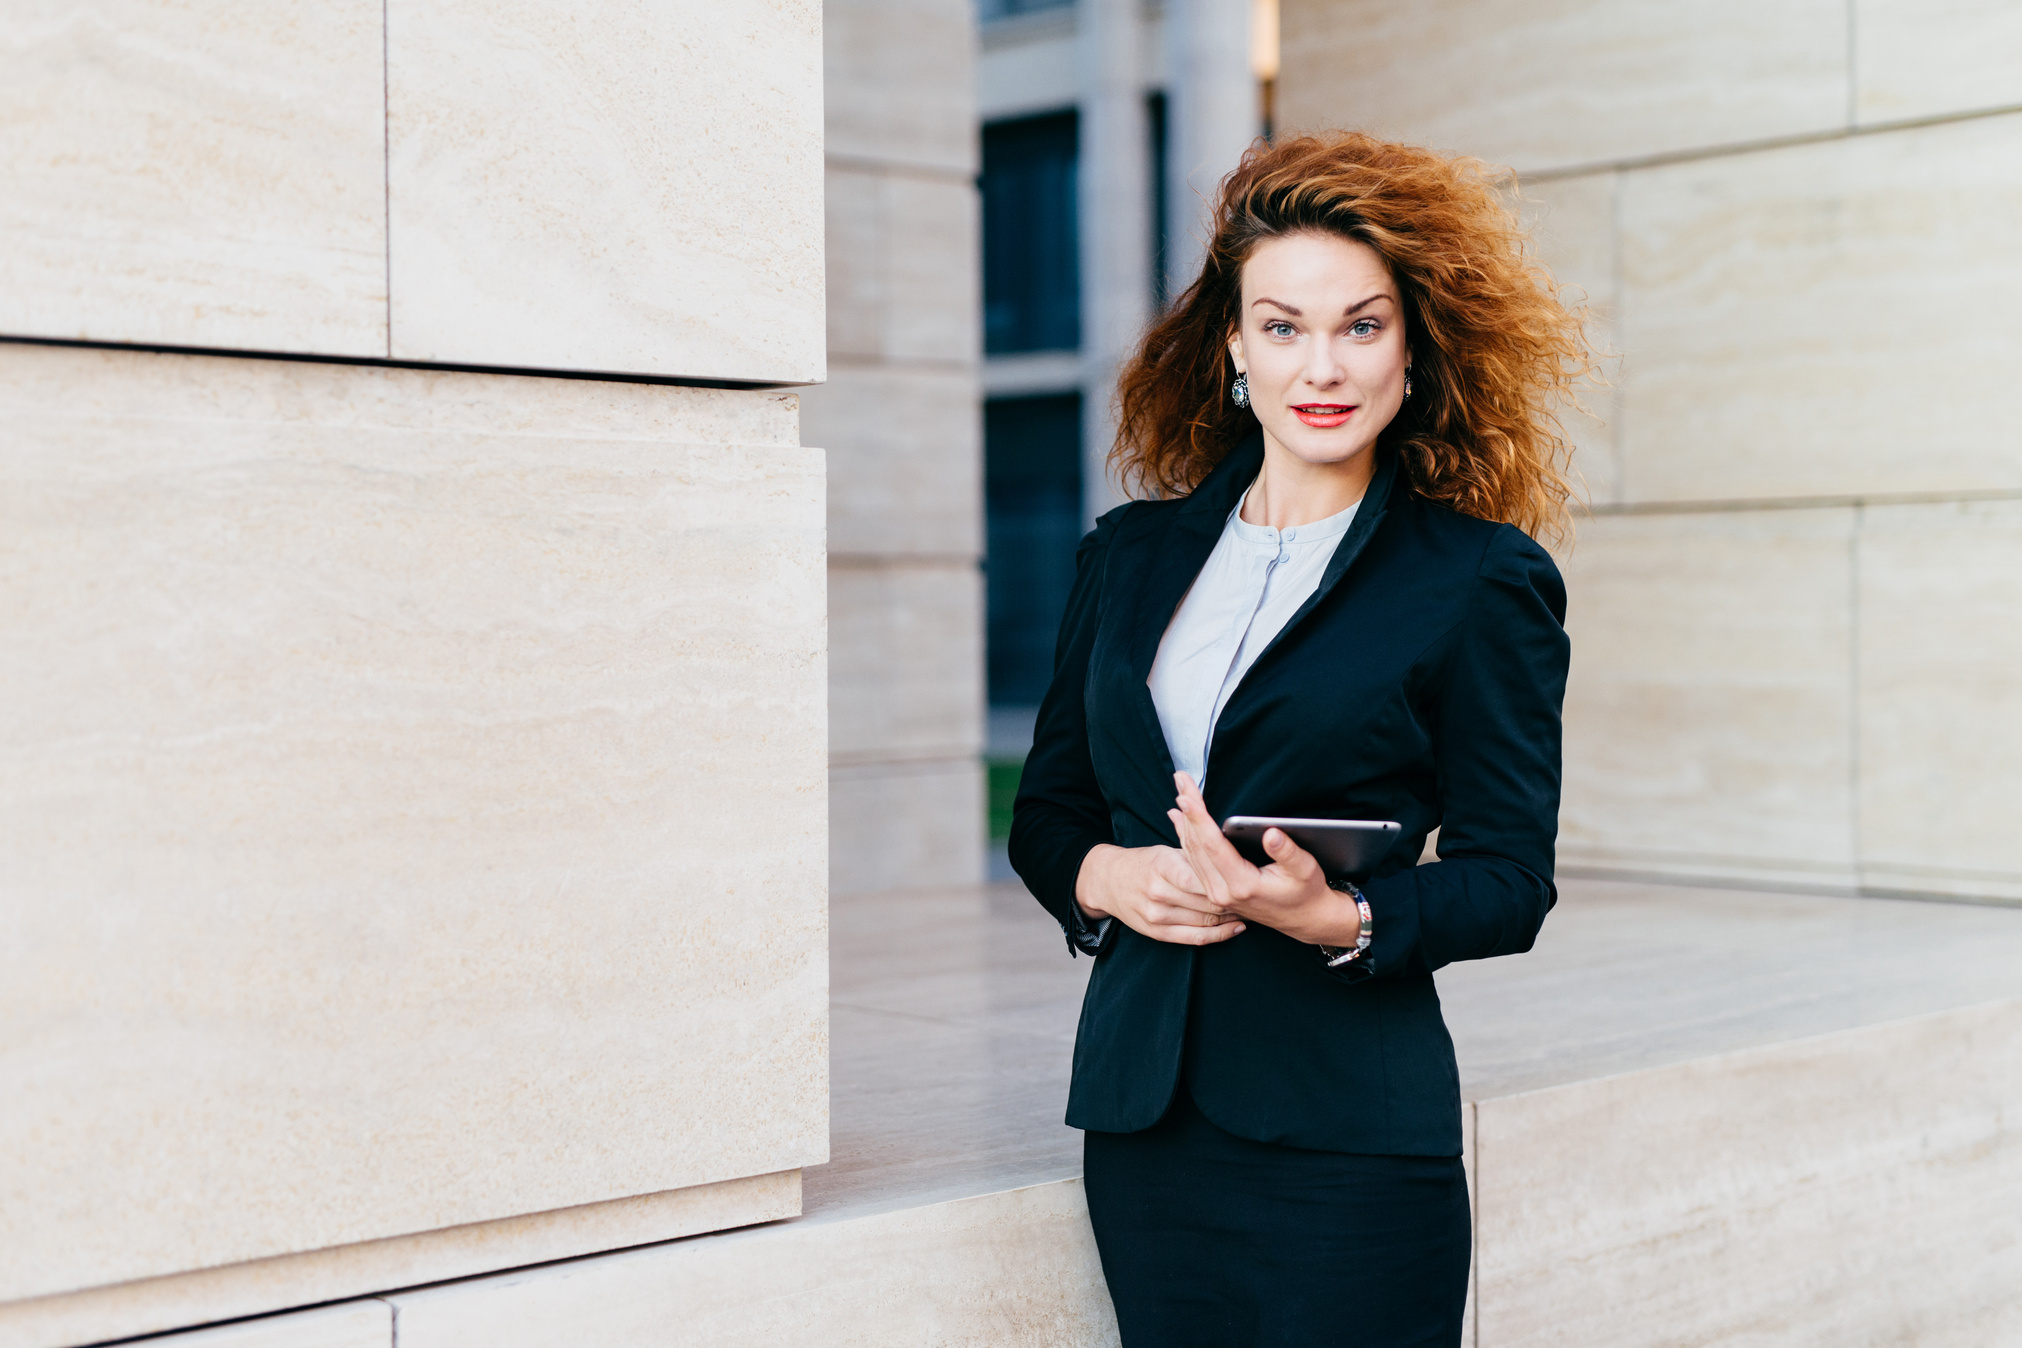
<point>1692,1116</point>
<point>264,1285</point>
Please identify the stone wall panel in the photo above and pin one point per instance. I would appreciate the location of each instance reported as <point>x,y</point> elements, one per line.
<point>367,794</point>
<point>905,460</point>
<point>1708,711</point>
<point>1572,224</point>
<point>902,249</point>
<point>1853,1189</point>
<point>1824,319</point>
<point>1940,700</point>
<point>902,102</point>
<point>207,174</point>
<point>357,1324</point>
<point>1568,82</point>
<point>1012,1270</point>
<point>593,187</point>
<point>906,645</point>
<point>901,422</point>
<point>906,825</point>
<point>1926,58</point>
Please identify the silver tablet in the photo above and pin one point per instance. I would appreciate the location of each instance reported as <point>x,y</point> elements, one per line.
<point>1343,847</point>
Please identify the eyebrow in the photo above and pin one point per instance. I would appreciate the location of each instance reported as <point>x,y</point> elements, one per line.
<point>1296,313</point>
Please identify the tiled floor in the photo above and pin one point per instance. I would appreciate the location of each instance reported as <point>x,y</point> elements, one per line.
<point>952,1021</point>
<point>954,1012</point>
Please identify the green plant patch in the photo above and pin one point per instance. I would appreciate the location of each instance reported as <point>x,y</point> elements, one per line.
<point>1003,776</point>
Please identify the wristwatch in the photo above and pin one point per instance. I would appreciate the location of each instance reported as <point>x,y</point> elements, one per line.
<point>1336,956</point>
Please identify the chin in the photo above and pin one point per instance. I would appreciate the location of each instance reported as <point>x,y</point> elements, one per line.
<point>1321,449</point>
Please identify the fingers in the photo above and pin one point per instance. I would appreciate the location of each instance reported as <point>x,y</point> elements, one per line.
<point>1172,915</point>
<point>1207,879</point>
<point>1172,866</point>
<point>1179,904</point>
<point>1215,935</point>
<point>1293,859</point>
<point>1222,868</point>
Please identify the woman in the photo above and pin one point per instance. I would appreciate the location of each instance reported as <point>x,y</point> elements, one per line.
<point>1330,607</point>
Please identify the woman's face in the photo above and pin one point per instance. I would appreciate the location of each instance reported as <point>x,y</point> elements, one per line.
<point>1321,338</point>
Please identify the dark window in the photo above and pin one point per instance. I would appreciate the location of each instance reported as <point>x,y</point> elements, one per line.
<point>1031,271</point>
<point>1032,488</point>
<point>1154,120</point>
<point>987,10</point>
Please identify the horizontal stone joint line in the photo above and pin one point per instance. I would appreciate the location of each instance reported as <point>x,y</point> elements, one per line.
<point>901,168</point>
<point>896,561</point>
<point>1758,1050</point>
<point>948,365</point>
<point>1852,501</point>
<point>873,758</point>
<point>924,1019</point>
<point>381,363</point>
<point>1820,889</point>
<point>1667,157</point>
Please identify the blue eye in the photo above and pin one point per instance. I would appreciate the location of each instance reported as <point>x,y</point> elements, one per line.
<point>1364,328</point>
<point>1278,328</point>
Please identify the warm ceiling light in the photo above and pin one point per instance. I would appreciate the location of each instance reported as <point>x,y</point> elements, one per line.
<point>1264,38</point>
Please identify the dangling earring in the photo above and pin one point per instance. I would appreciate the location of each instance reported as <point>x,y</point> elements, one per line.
<point>1239,392</point>
<point>1407,383</point>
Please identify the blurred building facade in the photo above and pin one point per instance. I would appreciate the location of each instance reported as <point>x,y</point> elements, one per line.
<point>899,419</point>
<point>1796,652</point>
<point>1106,125</point>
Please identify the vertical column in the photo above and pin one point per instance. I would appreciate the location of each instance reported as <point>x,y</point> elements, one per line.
<point>899,419</point>
<point>1115,210</point>
<point>1211,118</point>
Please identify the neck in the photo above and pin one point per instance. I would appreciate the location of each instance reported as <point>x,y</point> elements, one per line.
<point>1290,491</point>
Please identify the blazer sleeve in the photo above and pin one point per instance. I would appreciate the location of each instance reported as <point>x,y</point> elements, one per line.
<point>1060,814</point>
<point>1496,698</point>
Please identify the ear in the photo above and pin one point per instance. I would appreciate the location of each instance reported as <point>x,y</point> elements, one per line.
<point>1236,352</point>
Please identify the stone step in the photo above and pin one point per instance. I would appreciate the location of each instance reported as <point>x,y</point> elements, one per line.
<point>1692,1116</point>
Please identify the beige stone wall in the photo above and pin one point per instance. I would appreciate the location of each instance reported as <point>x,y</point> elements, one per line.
<point>1792,612</point>
<point>430,180</point>
<point>413,781</point>
<point>900,419</point>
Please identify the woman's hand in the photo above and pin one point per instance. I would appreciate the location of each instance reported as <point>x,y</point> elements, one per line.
<point>1154,892</point>
<point>1290,894</point>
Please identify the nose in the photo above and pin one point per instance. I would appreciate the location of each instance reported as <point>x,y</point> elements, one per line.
<point>1323,367</point>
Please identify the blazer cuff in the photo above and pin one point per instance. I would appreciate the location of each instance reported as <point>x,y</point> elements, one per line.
<point>1082,939</point>
<point>1053,882</point>
<point>1393,944</point>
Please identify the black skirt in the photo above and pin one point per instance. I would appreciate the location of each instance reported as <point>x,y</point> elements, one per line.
<point>1212,1240</point>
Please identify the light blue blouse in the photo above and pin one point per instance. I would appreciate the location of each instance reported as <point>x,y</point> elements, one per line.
<point>1252,584</point>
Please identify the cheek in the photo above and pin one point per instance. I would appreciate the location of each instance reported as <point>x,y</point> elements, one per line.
<point>1381,365</point>
<point>1274,365</point>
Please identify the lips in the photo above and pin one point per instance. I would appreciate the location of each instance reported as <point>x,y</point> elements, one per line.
<point>1323,414</point>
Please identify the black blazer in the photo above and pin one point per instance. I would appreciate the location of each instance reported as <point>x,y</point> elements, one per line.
<point>1422,682</point>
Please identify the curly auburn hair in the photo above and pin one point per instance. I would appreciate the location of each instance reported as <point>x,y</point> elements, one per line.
<point>1494,350</point>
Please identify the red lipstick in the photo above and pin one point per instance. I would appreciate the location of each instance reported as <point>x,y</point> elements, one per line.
<point>1323,415</point>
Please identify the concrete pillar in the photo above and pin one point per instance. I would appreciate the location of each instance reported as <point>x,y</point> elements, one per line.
<point>1115,211</point>
<point>1212,116</point>
<point>899,420</point>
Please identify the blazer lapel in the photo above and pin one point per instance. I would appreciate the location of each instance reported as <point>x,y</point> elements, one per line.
<point>1182,550</point>
<point>1176,558</point>
<point>1375,505</point>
